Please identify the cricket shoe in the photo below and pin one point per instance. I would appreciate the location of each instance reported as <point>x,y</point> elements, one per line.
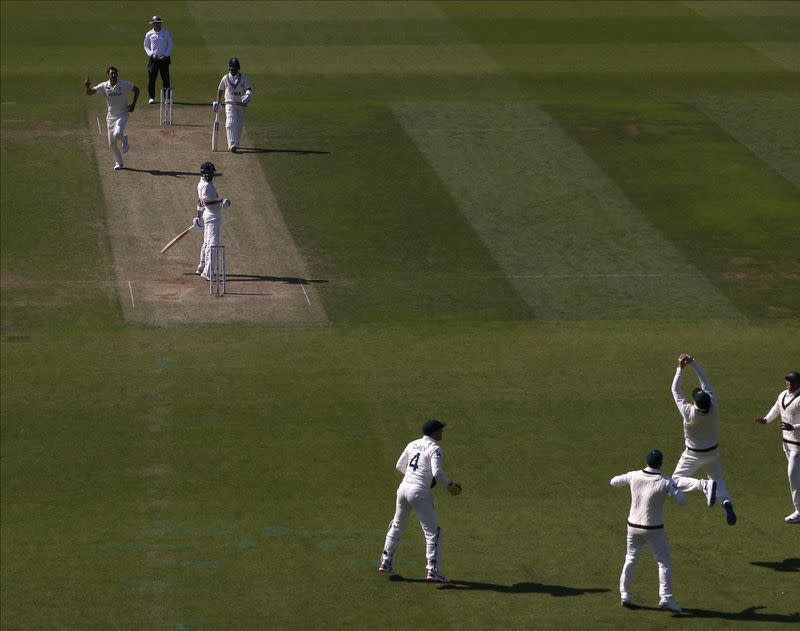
<point>205,276</point>
<point>234,149</point>
<point>152,101</point>
<point>435,577</point>
<point>118,166</point>
<point>386,568</point>
<point>125,146</point>
<point>794,518</point>
<point>710,491</point>
<point>627,603</point>
<point>669,605</point>
<point>729,514</point>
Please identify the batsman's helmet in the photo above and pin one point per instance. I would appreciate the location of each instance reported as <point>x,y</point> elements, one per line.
<point>793,377</point>
<point>654,458</point>
<point>207,170</point>
<point>233,62</point>
<point>432,425</point>
<point>701,399</point>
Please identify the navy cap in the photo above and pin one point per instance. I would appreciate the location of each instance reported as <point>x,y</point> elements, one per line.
<point>793,376</point>
<point>702,399</point>
<point>654,458</point>
<point>432,425</point>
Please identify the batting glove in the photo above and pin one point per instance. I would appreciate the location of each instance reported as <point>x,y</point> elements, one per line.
<point>226,202</point>
<point>246,98</point>
<point>197,222</point>
<point>215,105</point>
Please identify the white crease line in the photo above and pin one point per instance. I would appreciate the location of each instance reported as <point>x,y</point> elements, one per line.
<point>305,294</point>
<point>130,289</point>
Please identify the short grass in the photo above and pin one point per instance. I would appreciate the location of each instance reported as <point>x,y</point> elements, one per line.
<point>241,477</point>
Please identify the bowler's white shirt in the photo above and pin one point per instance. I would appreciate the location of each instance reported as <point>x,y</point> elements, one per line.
<point>420,462</point>
<point>116,96</point>
<point>649,489</point>
<point>700,429</point>
<point>158,42</point>
<point>234,87</point>
<point>788,408</point>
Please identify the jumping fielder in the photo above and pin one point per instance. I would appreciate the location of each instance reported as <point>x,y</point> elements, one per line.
<point>649,490</point>
<point>701,437</point>
<point>788,408</point>
<point>209,208</point>
<point>116,93</point>
<point>236,90</point>
<point>421,466</point>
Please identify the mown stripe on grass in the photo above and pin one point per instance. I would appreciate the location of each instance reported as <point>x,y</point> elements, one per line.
<point>569,239</point>
<point>760,123</point>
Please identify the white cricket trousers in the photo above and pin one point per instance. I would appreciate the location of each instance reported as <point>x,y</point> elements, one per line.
<point>234,124</point>
<point>793,461</point>
<point>116,133</point>
<point>659,546</point>
<point>411,497</point>
<point>691,461</point>
<point>212,227</point>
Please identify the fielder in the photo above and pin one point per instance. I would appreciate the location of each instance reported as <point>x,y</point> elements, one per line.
<point>649,489</point>
<point>421,466</point>
<point>236,90</point>
<point>788,408</point>
<point>209,209</point>
<point>701,437</point>
<point>116,93</point>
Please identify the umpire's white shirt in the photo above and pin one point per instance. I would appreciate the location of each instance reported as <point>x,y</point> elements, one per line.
<point>649,489</point>
<point>421,462</point>
<point>158,42</point>
<point>700,429</point>
<point>788,408</point>
<point>116,96</point>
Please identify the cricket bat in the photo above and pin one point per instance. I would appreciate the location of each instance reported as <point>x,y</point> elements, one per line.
<point>215,131</point>
<point>176,239</point>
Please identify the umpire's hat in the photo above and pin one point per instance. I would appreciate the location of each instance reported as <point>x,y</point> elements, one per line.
<point>432,425</point>
<point>793,376</point>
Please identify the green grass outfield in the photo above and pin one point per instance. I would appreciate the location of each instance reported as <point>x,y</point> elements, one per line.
<point>524,212</point>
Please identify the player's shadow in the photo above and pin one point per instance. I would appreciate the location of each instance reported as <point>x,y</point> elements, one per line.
<point>160,173</point>
<point>751,614</point>
<point>299,152</point>
<point>288,280</point>
<point>787,565</point>
<point>559,591</point>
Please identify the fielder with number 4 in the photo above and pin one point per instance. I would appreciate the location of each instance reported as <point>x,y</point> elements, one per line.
<point>421,466</point>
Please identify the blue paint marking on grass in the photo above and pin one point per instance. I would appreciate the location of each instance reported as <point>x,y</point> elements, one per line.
<point>272,530</point>
<point>200,565</point>
<point>164,362</point>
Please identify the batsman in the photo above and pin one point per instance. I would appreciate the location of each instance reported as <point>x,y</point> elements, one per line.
<point>209,209</point>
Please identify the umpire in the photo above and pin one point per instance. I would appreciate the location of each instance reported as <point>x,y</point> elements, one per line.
<point>158,48</point>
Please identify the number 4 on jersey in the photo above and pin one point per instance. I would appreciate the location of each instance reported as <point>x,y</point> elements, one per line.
<point>414,462</point>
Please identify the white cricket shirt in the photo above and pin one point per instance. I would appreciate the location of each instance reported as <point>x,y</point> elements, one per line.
<point>700,429</point>
<point>649,489</point>
<point>158,42</point>
<point>788,408</point>
<point>421,462</point>
<point>116,96</point>
<point>207,190</point>
<point>234,87</point>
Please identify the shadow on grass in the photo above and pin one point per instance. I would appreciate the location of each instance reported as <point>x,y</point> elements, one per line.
<point>787,565</point>
<point>161,173</point>
<point>558,591</point>
<point>301,152</point>
<point>751,614</point>
<point>289,280</point>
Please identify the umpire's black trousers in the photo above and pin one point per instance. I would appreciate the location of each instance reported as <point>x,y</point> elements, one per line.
<point>154,66</point>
